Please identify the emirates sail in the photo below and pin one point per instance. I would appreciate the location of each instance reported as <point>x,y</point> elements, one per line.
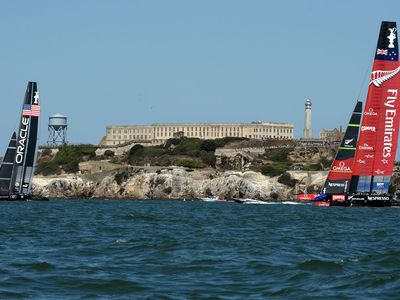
<point>377,144</point>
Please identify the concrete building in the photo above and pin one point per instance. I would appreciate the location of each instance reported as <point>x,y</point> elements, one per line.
<point>331,136</point>
<point>307,135</point>
<point>159,133</point>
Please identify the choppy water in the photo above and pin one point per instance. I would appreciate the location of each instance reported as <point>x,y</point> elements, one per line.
<point>196,250</point>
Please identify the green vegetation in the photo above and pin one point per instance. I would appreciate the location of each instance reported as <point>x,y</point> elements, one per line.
<point>192,164</point>
<point>188,152</point>
<point>121,177</point>
<point>208,146</point>
<point>278,154</point>
<point>274,196</point>
<point>109,153</point>
<point>67,159</point>
<point>286,179</point>
<point>46,152</point>
<point>48,168</point>
<point>168,190</point>
<point>275,169</point>
<point>325,163</point>
<point>314,167</point>
<point>69,156</point>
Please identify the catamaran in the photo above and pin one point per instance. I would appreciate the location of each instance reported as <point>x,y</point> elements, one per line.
<point>18,166</point>
<point>362,169</point>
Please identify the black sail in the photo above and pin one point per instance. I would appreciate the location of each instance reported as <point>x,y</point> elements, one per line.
<point>339,177</point>
<point>25,156</point>
<point>7,167</point>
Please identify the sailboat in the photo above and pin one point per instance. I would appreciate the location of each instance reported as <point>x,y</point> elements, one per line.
<point>362,176</point>
<point>18,166</point>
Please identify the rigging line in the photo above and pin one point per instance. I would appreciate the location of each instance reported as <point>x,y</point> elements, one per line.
<point>371,60</point>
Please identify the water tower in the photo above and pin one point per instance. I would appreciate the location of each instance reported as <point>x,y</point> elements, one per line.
<point>57,130</point>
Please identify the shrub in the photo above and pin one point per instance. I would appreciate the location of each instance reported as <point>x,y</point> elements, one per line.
<point>48,168</point>
<point>46,152</point>
<point>278,154</point>
<point>314,167</point>
<point>121,177</point>
<point>208,158</point>
<point>208,146</point>
<point>274,196</point>
<point>86,150</point>
<point>109,153</point>
<point>275,169</point>
<point>191,164</point>
<point>136,150</point>
<point>325,162</point>
<point>287,180</point>
<point>229,139</point>
<point>168,190</point>
<point>69,156</point>
<point>188,145</point>
<point>171,142</point>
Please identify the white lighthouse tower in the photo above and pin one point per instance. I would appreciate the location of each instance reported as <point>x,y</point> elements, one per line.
<point>307,124</point>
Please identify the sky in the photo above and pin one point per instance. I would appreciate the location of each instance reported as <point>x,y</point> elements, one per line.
<point>128,62</point>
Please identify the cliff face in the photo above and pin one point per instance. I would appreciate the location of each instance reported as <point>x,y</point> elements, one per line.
<point>171,183</point>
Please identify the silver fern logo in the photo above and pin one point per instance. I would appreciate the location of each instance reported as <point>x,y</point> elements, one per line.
<point>378,77</point>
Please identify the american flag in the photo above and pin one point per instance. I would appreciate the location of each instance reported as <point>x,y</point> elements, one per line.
<point>31,110</point>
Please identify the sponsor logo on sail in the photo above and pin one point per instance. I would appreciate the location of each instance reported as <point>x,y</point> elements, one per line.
<point>36,97</point>
<point>341,167</point>
<point>22,135</point>
<point>390,115</point>
<point>391,37</point>
<point>371,112</point>
<point>347,142</point>
<point>365,147</point>
<point>385,161</point>
<point>368,128</point>
<point>379,172</point>
<point>338,197</point>
<point>380,184</point>
<point>369,156</point>
<point>335,184</point>
<point>378,77</point>
<point>360,161</point>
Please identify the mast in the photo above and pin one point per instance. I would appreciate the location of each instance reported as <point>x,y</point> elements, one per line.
<point>25,156</point>
<point>7,167</point>
<point>377,145</point>
<point>338,180</point>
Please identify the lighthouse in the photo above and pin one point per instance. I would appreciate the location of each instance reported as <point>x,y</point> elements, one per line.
<point>307,124</point>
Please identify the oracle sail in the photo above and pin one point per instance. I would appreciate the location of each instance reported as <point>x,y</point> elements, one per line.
<point>18,167</point>
<point>339,177</point>
<point>377,143</point>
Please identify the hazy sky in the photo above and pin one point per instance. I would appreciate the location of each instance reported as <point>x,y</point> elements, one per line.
<point>138,62</point>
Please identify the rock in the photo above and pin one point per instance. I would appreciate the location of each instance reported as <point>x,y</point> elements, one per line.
<point>172,183</point>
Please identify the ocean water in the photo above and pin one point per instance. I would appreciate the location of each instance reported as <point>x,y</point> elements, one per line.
<point>99,249</point>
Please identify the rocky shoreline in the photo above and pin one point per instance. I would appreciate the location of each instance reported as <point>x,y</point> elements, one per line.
<point>170,183</point>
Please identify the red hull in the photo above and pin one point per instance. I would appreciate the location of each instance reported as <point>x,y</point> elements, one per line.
<point>306,197</point>
<point>322,203</point>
